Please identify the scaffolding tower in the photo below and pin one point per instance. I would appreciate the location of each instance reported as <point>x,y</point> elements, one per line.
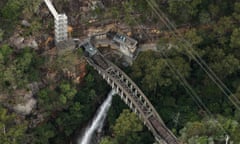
<point>61,23</point>
<point>61,26</point>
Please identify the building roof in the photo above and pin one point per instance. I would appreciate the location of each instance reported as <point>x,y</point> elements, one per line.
<point>125,40</point>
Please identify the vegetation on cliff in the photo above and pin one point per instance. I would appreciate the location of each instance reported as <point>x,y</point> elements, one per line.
<point>64,106</point>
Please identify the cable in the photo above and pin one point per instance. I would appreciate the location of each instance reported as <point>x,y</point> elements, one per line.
<point>197,58</point>
<point>187,86</point>
<point>203,62</point>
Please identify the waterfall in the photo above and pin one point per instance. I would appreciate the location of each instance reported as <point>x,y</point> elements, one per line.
<point>227,139</point>
<point>98,120</point>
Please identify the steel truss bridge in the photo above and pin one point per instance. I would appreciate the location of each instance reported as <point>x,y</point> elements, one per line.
<point>132,95</point>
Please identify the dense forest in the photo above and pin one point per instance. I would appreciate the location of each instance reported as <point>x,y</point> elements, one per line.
<point>198,105</point>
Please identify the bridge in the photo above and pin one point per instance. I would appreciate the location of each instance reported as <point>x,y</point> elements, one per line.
<point>129,93</point>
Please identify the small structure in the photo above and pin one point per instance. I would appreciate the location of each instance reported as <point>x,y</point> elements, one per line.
<point>89,48</point>
<point>122,43</point>
<point>126,44</point>
<point>115,40</point>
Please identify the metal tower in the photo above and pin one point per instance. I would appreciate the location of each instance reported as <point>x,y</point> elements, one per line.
<point>61,23</point>
<point>61,26</point>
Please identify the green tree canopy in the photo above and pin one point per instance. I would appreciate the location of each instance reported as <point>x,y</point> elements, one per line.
<point>10,131</point>
<point>43,133</point>
<point>126,123</point>
<point>235,38</point>
<point>209,130</point>
<point>12,9</point>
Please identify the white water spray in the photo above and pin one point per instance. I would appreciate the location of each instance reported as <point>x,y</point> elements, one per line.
<point>98,120</point>
<point>227,139</point>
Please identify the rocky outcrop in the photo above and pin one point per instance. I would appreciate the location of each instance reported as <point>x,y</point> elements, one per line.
<point>25,23</point>
<point>20,42</point>
<point>25,108</point>
<point>26,101</point>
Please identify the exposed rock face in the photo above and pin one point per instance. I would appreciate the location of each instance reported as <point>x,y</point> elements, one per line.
<point>17,42</point>
<point>27,105</point>
<point>25,23</point>
<point>25,108</point>
<point>32,43</point>
<point>20,42</point>
<point>28,102</point>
